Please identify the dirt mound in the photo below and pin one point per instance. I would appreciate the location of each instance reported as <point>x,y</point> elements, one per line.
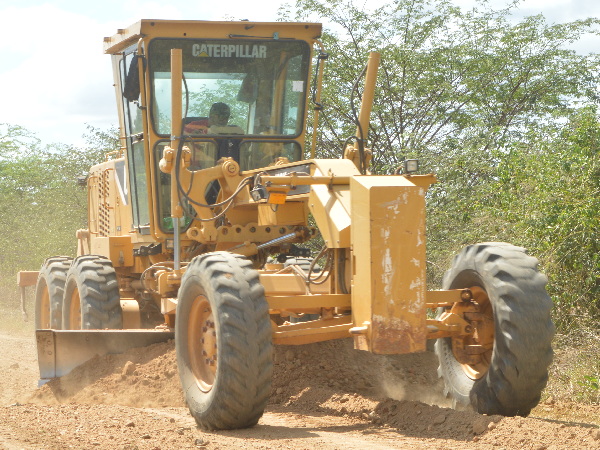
<point>392,390</point>
<point>323,378</point>
<point>325,381</point>
<point>308,375</point>
<point>139,377</point>
<point>314,372</point>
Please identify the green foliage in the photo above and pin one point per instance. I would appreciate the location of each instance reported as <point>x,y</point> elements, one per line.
<point>15,139</point>
<point>450,82</point>
<point>589,382</point>
<point>41,205</point>
<point>574,371</point>
<point>546,196</point>
<point>502,112</point>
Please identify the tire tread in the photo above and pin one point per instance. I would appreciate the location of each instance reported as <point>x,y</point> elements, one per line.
<point>524,330</point>
<point>245,361</point>
<point>96,280</point>
<point>52,276</point>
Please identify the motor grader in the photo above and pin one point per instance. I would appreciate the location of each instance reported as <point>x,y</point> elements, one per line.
<point>214,177</point>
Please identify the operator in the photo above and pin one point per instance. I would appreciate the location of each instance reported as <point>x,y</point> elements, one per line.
<point>217,124</point>
<point>218,117</point>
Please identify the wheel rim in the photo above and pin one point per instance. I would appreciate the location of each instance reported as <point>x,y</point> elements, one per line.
<point>202,343</point>
<point>75,311</point>
<point>483,335</point>
<point>45,309</point>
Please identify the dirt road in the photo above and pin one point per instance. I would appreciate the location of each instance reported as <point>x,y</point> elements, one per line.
<point>324,396</point>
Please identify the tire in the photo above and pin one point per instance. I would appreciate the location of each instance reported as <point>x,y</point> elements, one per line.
<point>92,300</point>
<point>222,308</point>
<point>304,264</point>
<point>49,291</point>
<point>522,333</point>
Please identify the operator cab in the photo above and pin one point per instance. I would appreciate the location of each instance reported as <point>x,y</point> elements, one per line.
<point>255,76</point>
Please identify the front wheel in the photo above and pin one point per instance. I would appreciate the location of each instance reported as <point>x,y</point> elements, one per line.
<point>223,338</point>
<point>512,325</point>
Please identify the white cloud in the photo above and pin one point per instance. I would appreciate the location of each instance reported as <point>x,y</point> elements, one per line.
<point>61,78</point>
<point>152,10</point>
<point>55,77</point>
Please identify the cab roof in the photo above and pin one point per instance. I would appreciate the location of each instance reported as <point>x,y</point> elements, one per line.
<point>148,28</point>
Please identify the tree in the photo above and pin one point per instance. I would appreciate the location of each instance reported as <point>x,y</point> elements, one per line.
<point>546,195</point>
<point>496,108</point>
<point>450,82</point>
<point>41,205</point>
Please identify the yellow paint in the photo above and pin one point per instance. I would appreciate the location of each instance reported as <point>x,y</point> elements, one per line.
<point>131,314</point>
<point>289,213</point>
<point>368,94</point>
<point>142,32</point>
<point>309,335</point>
<point>176,119</point>
<point>388,257</point>
<point>291,302</point>
<point>312,331</point>
<point>149,29</point>
<point>119,249</point>
<point>108,213</point>
<point>441,297</point>
<point>331,207</point>
<point>27,278</point>
<point>168,305</point>
<point>290,284</point>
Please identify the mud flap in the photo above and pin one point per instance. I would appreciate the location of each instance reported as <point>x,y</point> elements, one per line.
<point>60,351</point>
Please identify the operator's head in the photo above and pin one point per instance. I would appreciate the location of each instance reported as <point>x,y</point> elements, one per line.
<point>219,114</point>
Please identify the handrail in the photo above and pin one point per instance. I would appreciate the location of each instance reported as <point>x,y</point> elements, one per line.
<point>313,145</point>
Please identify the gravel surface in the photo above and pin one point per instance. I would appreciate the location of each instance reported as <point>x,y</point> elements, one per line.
<point>324,395</point>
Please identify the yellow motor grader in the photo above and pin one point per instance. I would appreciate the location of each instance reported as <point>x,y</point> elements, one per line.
<point>196,229</point>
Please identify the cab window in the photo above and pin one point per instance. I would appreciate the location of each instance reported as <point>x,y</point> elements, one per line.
<point>234,87</point>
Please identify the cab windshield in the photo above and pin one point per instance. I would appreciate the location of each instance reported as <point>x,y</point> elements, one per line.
<point>234,87</point>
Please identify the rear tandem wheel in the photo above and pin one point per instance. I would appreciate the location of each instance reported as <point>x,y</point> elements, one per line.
<point>92,299</point>
<point>49,291</point>
<point>222,311</point>
<point>513,314</point>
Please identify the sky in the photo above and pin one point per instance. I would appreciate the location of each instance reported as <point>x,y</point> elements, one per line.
<point>55,79</point>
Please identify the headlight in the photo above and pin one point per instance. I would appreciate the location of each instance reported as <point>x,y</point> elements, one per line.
<point>411,165</point>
